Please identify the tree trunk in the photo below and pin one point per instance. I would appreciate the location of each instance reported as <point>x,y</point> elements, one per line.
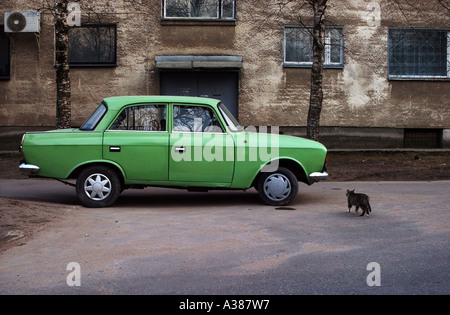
<point>316,96</point>
<point>63,105</point>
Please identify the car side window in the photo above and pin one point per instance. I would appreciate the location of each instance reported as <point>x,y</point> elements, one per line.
<point>141,118</point>
<point>195,119</point>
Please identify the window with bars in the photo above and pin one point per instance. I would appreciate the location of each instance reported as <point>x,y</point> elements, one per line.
<point>419,54</point>
<point>92,46</point>
<point>199,9</point>
<point>298,47</point>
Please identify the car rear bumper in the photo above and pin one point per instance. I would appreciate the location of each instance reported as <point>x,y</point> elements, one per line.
<point>28,168</point>
<point>317,176</point>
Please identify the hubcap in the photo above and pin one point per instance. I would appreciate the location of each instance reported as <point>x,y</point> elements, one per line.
<point>97,187</point>
<point>277,187</point>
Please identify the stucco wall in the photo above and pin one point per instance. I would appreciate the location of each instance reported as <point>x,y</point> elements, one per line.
<point>359,95</point>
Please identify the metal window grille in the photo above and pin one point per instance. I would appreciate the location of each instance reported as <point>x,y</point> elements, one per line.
<point>423,138</point>
<point>419,53</point>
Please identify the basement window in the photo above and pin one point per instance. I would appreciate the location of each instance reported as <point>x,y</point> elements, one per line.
<point>93,46</point>
<point>419,54</point>
<point>4,55</point>
<point>423,138</point>
<point>199,9</point>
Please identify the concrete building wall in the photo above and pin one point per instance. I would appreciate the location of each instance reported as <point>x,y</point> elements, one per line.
<point>357,96</point>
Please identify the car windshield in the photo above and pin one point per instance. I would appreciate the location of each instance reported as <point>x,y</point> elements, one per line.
<point>232,122</point>
<point>95,118</point>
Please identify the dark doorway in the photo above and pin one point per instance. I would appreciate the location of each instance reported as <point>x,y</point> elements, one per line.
<point>222,85</point>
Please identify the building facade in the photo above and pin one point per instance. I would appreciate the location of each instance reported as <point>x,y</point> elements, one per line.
<point>386,80</point>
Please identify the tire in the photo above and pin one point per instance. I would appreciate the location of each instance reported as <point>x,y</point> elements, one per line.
<point>278,188</point>
<point>98,186</point>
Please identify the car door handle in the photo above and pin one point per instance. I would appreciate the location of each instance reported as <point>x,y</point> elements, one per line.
<point>114,149</point>
<point>180,149</point>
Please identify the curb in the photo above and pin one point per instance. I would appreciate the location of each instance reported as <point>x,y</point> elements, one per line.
<point>11,152</point>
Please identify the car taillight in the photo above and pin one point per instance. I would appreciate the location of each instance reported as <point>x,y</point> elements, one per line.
<point>21,143</point>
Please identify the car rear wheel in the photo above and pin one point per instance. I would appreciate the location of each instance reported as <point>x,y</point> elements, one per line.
<point>98,186</point>
<point>278,188</point>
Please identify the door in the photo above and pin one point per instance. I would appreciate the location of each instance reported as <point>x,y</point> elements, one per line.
<point>200,150</point>
<point>222,85</point>
<point>138,141</point>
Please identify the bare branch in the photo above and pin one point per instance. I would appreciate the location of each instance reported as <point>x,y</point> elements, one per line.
<point>402,11</point>
<point>445,4</point>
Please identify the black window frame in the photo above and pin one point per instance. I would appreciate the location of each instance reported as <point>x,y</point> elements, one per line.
<point>328,65</point>
<point>405,76</point>
<point>219,16</point>
<point>7,49</point>
<point>111,63</point>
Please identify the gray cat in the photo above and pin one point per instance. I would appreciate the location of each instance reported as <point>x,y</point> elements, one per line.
<point>358,200</point>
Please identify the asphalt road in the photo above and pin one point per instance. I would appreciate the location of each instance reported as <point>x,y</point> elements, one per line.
<point>162,241</point>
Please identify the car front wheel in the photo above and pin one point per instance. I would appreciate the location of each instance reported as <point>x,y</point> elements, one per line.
<point>98,186</point>
<point>278,188</point>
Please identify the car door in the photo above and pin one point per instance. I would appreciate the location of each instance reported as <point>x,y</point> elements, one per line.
<point>200,148</point>
<point>138,141</point>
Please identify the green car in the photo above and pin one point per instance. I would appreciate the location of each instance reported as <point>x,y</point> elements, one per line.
<point>166,141</point>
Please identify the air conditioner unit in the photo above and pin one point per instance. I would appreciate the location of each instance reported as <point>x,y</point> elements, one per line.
<point>22,21</point>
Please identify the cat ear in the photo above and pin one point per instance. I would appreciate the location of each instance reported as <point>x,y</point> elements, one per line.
<point>353,190</point>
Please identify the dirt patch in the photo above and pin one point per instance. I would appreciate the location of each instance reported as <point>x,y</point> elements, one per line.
<point>20,220</point>
<point>9,166</point>
<point>388,166</point>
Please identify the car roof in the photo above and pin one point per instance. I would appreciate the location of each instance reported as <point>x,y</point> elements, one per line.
<point>118,102</point>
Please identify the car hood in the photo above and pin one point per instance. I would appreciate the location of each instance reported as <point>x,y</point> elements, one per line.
<point>283,141</point>
<point>299,142</point>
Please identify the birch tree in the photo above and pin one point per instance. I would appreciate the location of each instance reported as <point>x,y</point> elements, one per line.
<point>319,8</point>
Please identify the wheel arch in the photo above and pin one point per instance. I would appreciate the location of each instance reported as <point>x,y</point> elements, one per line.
<point>288,163</point>
<point>115,167</point>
